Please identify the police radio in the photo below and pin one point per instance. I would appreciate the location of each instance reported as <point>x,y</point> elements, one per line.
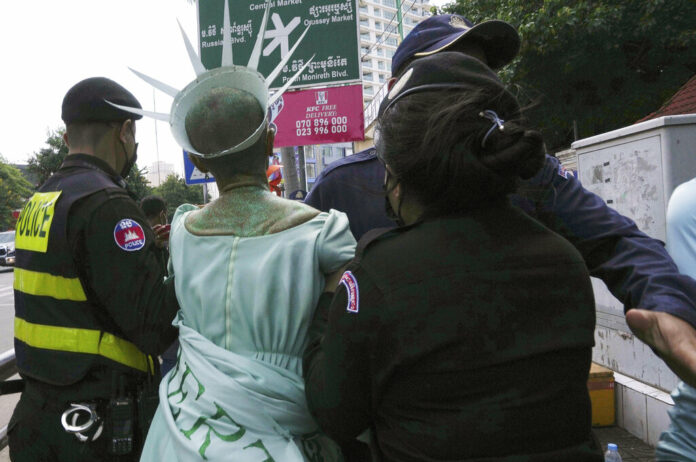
<point>121,419</point>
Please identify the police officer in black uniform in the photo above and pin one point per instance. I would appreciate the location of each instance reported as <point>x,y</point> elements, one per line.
<point>466,333</point>
<point>92,308</point>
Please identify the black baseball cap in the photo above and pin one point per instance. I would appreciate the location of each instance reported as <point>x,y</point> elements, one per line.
<point>498,39</point>
<point>87,100</point>
<point>445,71</point>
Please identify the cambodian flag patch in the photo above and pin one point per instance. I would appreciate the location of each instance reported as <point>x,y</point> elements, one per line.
<point>351,284</point>
<point>129,235</point>
<point>562,171</point>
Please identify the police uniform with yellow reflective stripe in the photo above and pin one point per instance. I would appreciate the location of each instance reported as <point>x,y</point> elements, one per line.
<point>87,306</point>
<point>58,330</point>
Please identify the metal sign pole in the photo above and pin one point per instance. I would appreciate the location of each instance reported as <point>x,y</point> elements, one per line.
<point>400,19</point>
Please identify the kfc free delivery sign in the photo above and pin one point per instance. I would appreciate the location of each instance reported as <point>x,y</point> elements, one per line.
<point>320,116</point>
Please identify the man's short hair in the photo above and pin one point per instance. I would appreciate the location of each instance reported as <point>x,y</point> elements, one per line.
<point>88,133</point>
<point>153,205</point>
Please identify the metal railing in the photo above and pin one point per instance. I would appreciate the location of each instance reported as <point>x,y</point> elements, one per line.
<point>372,109</point>
<point>8,364</point>
<point>8,368</point>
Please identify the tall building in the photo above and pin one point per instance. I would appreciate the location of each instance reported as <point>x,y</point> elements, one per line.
<point>319,156</point>
<point>158,172</point>
<point>379,37</point>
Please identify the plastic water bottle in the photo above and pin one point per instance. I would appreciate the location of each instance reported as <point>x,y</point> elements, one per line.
<point>612,454</point>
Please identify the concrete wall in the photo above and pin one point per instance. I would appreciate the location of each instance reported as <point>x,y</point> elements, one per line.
<point>368,142</point>
<point>635,169</point>
<point>641,409</point>
<point>568,158</point>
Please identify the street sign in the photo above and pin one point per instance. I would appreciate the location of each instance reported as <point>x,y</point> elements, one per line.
<point>320,116</point>
<point>298,195</point>
<point>192,175</point>
<point>332,38</point>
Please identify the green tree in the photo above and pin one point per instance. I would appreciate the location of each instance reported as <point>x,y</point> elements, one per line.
<point>138,184</point>
<point>602,63</point>
<point>175,192</point>
<point>48,160</point>
<point>14,191</point>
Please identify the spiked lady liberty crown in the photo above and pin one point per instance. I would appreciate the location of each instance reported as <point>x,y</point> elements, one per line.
<point>227,76</point>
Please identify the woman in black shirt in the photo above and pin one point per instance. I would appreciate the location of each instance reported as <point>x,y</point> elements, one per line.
<point>466,333</point>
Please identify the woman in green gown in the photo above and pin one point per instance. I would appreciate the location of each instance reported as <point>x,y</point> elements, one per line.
<point>249,268</point>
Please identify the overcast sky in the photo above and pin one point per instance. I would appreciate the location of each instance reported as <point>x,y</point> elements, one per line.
<point>49,45</point>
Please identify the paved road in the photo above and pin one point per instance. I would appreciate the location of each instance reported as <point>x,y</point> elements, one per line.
<point>6,309</point>
<point>8,402</point>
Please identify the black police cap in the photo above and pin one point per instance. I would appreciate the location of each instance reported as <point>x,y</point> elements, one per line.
<point>446,71</point>
<point>87,100</point>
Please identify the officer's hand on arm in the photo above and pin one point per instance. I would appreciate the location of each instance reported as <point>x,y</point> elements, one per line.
<point>672,338</point>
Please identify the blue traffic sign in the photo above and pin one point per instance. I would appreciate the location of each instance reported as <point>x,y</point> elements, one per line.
<point>194,176</point>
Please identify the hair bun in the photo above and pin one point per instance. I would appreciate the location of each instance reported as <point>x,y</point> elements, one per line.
<point>522,157</point>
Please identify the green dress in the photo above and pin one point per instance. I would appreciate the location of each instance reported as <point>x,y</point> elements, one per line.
<point>237,391</point>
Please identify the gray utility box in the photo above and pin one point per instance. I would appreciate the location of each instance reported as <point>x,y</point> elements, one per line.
<point>635,169</point>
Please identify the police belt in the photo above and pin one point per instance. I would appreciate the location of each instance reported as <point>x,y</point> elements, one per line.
<point>74,417</point>
<point>51,400</point>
